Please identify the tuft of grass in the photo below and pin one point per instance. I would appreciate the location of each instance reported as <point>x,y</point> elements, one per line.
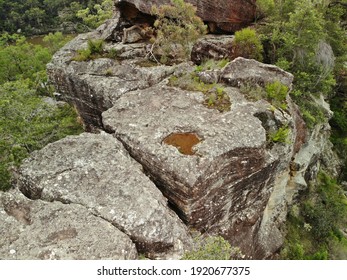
<point>212,248</point>
<point>212,64</point>
<point>280,136</point>
<point>215,95</point>
<point>94,50</point>
<point>275,93</point>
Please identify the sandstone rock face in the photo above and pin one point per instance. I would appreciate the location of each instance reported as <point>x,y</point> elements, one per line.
<point>51,230</point>
<point>225,186</point>
<point>227,15</point>
<point>233,181</point>
<point>94,170</point>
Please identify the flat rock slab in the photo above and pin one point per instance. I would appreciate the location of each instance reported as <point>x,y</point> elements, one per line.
<point>42,230</point>
<point>95,171</point>
<point>242,71</point>
<point>231,149</point>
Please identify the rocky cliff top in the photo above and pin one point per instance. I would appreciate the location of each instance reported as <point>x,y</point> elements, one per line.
<point>174,150</point>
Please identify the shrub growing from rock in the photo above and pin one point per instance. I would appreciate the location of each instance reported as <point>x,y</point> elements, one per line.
<point>247,44</point>
<point>177,27</point>
<point>212,248</point>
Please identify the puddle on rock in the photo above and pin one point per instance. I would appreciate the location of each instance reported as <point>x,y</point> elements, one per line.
<point>184,142</point>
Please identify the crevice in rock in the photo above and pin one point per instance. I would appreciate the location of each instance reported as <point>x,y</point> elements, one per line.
<point>179,213</point>
<point>91,211</point>
<point>117,226</point>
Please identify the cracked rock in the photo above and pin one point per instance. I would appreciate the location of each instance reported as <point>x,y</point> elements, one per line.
<point>95,171</point>
<point>34,229</point>
<point>225,181</point>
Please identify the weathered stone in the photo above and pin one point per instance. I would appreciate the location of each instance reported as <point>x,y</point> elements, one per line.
<point>95,171</point>
<point>108,30</point>
<point>215,47</point>
<point>249,71</point>
<point>224,187</point>
<point>42,230</point>
<point>227,15</point>
<point>93,86</point>
<point>234,182</point>
<point>209,76</point>
<point>311,150</point>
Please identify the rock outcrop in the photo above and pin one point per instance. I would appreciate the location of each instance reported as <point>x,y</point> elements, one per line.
<point>170,162</point>
<point>94,171</point>
<point>225,186</point>
<point>226,15</point>
<point>234,184</point>
<point>93,86</point>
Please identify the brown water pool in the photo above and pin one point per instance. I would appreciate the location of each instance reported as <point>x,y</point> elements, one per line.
<point>184,142</point>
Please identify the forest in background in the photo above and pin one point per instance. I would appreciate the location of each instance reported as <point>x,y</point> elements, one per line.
<point>31,17</point>
<point>304,37</point>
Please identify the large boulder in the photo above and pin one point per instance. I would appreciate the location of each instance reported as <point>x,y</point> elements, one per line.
<point>220,172</point>
<point>250,72</point>
<point>223,185</point>
<point>51,230</point>
<point>227,15</point>
<point>95,171</point>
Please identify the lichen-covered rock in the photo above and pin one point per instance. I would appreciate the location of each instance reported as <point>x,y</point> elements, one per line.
<point>227,15</point>
<point>225,185</point>
<point>233,180</point>
<point>93,86</point>
<point>95,171</point>
<point>34,229</point>
<point>214,47</point>
<point>242,71</point>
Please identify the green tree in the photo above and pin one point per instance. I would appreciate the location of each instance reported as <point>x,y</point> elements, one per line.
<point>28,123</point>
<point>265,8</point>
<point>177,27</point>
<point>55,41</point>
<point>22,60</point>
<point>39,15</point>
<point>96,16</point>
<point>298,41</point>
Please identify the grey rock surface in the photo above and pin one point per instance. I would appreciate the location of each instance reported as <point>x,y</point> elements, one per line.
<point>229,179</point>
<point>34,229</point>
<point>93,86</point>
<point>243,71</point>
<point>237,183</point>
<point>215,47</point>
<point>95,171</point>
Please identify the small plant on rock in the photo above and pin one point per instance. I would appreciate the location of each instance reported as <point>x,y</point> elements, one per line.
<point>277,94</point>
<point>212,248</point>
<point>94,50</point>
<point>280,135</point>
